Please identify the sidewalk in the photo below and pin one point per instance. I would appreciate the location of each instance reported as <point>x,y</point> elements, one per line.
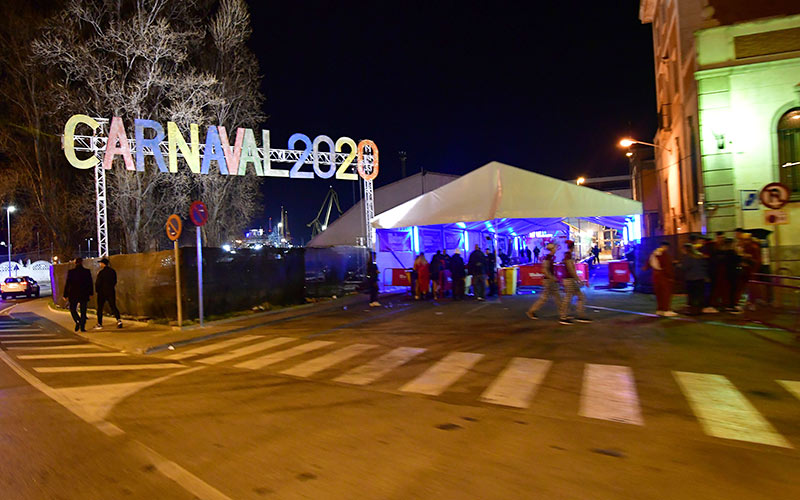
<point>142,338</point>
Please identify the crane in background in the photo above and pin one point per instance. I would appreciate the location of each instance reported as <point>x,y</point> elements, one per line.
<point>318,226</point>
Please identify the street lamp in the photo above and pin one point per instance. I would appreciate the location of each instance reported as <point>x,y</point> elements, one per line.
<point>627,142</point>
<point>89,246</point>
<point>9,209</point>
<point>580,180</point>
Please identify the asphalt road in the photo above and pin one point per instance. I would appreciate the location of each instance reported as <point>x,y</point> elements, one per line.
<point>410,400</point>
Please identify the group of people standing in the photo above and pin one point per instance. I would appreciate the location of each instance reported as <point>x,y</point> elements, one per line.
<point>430,278</point>
<point>572,287</point>
<point>716,273</point>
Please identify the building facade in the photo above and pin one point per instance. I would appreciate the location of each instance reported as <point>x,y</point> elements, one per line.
<point>727,82</point>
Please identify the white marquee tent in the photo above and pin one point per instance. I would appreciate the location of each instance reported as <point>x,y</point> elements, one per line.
<point>511,200</point>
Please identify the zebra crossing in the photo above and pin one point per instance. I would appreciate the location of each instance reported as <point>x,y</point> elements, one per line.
<point>608,392</point>
<point>32,344</point>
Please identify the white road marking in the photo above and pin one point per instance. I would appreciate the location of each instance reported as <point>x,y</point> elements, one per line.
<point>517,384</point>
<point>792,386</point>
<point>436,379</point>
<point>378,367</point>
<point>10,330</point>
<point>274,357</point>
<point>244,351</point>
<point>216,346</point>
<point>316,365</point>
<point>175,472</point>
<point>106,368</point>
<point>724,412</point>
<point>35,341</point>
<point>609,393</point>
<point>52,347</point>
<point>27,335</point>
<point>72,355</point>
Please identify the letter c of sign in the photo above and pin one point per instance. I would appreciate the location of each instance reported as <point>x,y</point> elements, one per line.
<point>69,141</point>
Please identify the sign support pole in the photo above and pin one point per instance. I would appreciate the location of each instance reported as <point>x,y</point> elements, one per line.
<point>178,285</point>
<point>200,274</point>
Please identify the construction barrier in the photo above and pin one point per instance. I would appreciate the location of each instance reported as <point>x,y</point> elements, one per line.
<point>397,277</point>
<point>619,272</point>
<point>507,280</point>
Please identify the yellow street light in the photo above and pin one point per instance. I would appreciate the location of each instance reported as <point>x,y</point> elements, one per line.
<point>627,142</point>
<point>580,180</point>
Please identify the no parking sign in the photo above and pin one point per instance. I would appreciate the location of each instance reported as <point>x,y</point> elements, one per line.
<point>198,213</point>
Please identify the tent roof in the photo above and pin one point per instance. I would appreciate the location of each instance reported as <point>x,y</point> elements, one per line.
<point>499,191</point>
<point>349,227</point>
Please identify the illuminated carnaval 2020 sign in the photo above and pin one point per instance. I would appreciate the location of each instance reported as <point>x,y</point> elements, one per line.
<point>230,160</point>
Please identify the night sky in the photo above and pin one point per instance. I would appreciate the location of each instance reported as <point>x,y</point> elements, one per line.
<point>545,86</point>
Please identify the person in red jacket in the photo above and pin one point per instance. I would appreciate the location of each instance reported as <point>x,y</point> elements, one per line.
<point>660,262</point>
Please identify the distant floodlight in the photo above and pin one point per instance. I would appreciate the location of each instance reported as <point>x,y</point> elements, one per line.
<point>580,180</point>
<point>629,154</point>
<point>226,247</point>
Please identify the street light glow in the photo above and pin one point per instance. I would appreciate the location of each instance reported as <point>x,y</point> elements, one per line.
<point>626,143</point>
<point>580,180</point>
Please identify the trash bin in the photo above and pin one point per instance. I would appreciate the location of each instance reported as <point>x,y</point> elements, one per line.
<point>508,280</point>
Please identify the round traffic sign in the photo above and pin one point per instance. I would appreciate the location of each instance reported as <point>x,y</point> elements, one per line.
<point>174,227</point>
<point>199,213</point>
<point>775,195</point>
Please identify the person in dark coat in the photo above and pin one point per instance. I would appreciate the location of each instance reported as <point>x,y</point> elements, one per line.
<point>476,265</point>
<point>77,291</point>
<point>105,285</point>
<point>491,271</point>
<point>372,281</point>
<point>693,265</point>
<point>436,267</point>
<point>536,251</point>
<point>456,269</point>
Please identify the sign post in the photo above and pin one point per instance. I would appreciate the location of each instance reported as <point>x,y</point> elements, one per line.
<point>774,196</point>
<point>199,215</point>
<point>174,229</point>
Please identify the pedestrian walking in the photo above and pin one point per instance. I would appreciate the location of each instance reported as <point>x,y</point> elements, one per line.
<point>423,277</point>
<point>693,266</point>
<point>476,265</point>
<point>660,261</point>
<point>105,285</point>
<point>77,291</point>
<point>550,283</point>
<point>536,251</point>
<point>457,273</point>
<point>372,281</point>
<point>572,288</point>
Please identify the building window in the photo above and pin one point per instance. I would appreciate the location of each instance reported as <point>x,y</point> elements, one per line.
<point>789,149</point>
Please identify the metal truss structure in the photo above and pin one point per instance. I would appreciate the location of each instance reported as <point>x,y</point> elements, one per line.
<point>96,144</point>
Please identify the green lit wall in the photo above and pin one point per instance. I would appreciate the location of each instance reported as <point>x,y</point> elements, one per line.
<point>740,102</point>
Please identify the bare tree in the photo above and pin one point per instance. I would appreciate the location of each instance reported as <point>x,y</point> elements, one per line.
<point>150,59</point>
<point>33,171</point>
<point>232,200</point>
